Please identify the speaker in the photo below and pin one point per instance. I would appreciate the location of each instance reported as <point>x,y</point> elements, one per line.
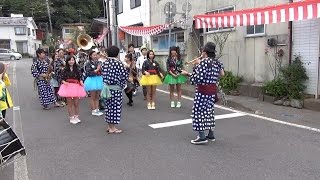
<point>10,145</point>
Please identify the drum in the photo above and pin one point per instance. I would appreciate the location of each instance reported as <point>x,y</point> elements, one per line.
<point>10,145</point>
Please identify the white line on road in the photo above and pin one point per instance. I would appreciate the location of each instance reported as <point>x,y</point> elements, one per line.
<point>20,164</point>
<point>188,121</point>
<point>255,115</point>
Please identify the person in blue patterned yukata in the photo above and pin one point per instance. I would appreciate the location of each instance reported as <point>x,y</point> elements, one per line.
<point>39,70</point>
<point>115,77</point>
<point>205,76</point>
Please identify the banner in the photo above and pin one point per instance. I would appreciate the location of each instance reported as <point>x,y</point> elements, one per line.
<point>296,11</point>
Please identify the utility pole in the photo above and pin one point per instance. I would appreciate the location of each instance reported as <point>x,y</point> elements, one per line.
<point>114,23</point>
<point>80,14</point>
<point>48,9</point>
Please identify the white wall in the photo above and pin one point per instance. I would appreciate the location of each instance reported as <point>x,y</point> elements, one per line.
<point>8,32</point>
<point>136,15</point>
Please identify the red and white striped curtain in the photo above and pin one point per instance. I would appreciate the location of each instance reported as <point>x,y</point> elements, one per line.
<point>301,10</point>
<point>144,31</point>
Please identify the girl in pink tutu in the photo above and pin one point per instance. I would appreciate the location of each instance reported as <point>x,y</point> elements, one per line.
<point>72,88</point>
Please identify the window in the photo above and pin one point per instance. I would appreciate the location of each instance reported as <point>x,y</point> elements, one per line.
<point>33,32</point>
<point>136,41</point>
<point>226,9</point>
<point>20,30</point>
<point>68,31</point>
<point>180,37</point>
<point>256,30</point>
<point>161,42</point>
<point>119,6</point>
<point>3,51</point>
<point>29,31</point>
<point>135,3</point>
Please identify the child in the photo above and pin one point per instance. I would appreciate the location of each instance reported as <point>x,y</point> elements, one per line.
<point>151,78</point>
<point>5,98</point>
<point>72,88</point>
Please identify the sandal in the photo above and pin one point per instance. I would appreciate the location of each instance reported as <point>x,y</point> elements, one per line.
<point>58,105</point>
<point>117,131</point>
<point>46,108</point>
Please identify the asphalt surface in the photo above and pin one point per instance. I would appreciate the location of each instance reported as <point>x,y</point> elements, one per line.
<point>246,147</point>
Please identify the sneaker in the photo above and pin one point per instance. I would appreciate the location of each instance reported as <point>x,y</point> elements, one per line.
<point>149,106</point>
<point>212,138</point>
<point>77,119</point>
<point>96,113</point>
<point>198,141</point>
<point>99,112</point>
<point>173,104</point>
<point>153,105</point>
<point>178,104</point>
<point>73,120</point>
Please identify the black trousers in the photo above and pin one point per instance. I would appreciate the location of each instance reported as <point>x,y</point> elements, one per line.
<point>129,95</point>
<point>3,112</point>
<point>144,88</point>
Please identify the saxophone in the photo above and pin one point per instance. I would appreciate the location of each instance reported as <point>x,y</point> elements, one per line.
<point>49,74</point>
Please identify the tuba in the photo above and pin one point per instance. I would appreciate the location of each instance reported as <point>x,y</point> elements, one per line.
<point>84,41</point>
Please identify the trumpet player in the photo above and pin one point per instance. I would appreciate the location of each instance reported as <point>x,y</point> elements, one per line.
<point>205,77</point>
<point>174,77</point>
<point>39,71</point>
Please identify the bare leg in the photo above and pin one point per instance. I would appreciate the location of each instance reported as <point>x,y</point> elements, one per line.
<point>97,97</point>
<point>153,92</point>
<point>92,98</point>
<point>70,107</point>
<point>76,106</point>
<point>171,92</point>
<point>149,94</point>
<point>179,91</point>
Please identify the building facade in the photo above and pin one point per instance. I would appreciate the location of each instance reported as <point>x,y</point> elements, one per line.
<point>246,52</point>
<point>135,13</point>
<point>19,34</point>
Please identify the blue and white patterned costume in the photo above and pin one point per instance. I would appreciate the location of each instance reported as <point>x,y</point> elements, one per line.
<point>205,73</point>
<point>45,90</point>
<point>114,73</point>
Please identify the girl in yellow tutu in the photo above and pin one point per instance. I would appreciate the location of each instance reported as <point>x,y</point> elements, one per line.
<point>151,77</point>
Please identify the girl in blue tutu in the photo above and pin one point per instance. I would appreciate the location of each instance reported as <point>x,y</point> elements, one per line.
<point>93,82</point>
<point>174,77</point>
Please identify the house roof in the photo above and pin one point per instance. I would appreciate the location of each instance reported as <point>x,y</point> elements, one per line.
<point>9,21</point>
<point>100,20</point>
<point>74,24</point>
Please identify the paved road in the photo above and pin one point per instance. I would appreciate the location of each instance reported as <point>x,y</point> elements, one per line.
<point>246,148</point>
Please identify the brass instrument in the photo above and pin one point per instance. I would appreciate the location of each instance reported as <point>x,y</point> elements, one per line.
<point>84,41</point>
<point>192,61</point>
<point>49,74</point>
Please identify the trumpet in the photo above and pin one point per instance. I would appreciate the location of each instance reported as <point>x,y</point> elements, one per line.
<point>193,61</point>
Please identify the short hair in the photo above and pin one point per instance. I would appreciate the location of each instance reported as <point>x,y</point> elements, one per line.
<point>130,45</point>
<point>39,51</point>
<point>113,51</point>
<point>149,53</point>
<point>90,54</point>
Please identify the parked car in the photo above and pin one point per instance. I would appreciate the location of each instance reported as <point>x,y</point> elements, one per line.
<point>6,54</point>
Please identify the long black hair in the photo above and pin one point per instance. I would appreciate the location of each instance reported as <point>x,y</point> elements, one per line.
<point>151,51</point>
<point>75,65</point>
<point>176,49</point>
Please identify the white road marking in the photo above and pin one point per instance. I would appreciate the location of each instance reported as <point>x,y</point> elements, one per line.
<point>188,121</point>
<point>20,164</point>
<point>255,115</point>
